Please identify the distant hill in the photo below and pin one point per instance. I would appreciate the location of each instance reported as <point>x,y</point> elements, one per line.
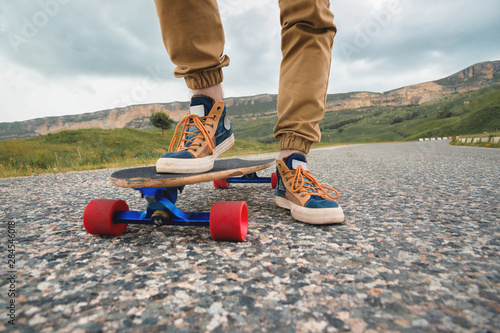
<point>472,78</point>
<point>262,108</point>
<point>473,112</point>
<point>470,112</point>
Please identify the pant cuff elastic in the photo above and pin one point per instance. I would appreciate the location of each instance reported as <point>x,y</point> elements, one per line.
<point>204,79</point>
<point>293,142</point>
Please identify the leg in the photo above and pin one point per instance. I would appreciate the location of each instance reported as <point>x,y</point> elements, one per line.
<point>215,92</point>
<point>193,36</point>
<point>306,44</point>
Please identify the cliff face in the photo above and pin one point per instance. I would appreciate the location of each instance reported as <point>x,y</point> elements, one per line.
<point>137,116</point>
<point>132,116</point>
<point>472,78</point>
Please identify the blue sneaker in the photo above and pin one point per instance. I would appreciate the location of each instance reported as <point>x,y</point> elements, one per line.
<point>303,195</point>
<point>206,133</point>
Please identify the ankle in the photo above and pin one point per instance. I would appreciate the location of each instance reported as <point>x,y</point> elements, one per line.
<point>215,92</point>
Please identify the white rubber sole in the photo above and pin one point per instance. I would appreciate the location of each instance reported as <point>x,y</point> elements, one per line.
<point>312,215</point>
<point>193,165</point>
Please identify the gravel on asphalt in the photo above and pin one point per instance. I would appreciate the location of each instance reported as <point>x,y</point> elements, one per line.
<point>419,251</point>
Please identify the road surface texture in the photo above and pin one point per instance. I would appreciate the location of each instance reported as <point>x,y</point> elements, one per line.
<point>418,252</point>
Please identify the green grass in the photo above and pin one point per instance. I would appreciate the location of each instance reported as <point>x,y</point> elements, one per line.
<point>458,114</point>
<point>90,149</point>
<point>489,144</point>
<point>469,113</point>
<point>477,144</point>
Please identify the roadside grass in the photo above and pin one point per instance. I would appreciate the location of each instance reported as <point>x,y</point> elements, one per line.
<point>90,149</point>
<point>481,135</point>
<point>479,143</point>
<point>456,114</point>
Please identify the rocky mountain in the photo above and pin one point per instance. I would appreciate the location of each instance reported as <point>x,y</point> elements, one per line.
<point>471,78</point>
<point>135,116</point>
<point>261,106</point>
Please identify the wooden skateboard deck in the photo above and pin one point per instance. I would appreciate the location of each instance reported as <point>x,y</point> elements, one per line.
<point>146,177</point>
<point>227,220</point>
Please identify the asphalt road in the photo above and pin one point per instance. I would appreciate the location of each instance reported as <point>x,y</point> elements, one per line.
<point>419,251</point>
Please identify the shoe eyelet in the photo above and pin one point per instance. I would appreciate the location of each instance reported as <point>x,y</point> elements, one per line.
<point>215,117</point>
<point>195,150</point>
<point>218,108</point>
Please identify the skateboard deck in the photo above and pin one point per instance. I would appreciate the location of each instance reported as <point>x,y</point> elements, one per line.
<point>227,220</point>
<point>146,177</point>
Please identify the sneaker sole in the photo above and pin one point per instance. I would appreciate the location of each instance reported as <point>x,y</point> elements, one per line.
<point>312,215</point>
<point>193,165</point>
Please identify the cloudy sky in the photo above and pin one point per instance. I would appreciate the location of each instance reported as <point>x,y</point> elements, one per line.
<point>61,57</point>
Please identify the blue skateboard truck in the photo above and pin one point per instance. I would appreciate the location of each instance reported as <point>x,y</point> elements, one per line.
<point>227,220</point>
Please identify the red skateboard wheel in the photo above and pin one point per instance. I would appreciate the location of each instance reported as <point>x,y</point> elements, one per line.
<point>221,183</point>
<point>229,221</point>
<point>98,217</point>
<point>274,180</point>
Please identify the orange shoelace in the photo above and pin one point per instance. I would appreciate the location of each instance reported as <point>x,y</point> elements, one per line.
<point>188,137</point>
<point>303,181</point>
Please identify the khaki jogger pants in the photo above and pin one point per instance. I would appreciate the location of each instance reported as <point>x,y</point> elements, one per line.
<point>194,38</point>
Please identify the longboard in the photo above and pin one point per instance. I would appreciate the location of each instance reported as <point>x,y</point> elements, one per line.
<point>146,177</point>
<point>227,220</point>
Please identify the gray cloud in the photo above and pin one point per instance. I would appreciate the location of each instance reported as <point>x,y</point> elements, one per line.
<point>253,40</point>
<point>103,38</point>
<point>450,34</point>
<point>122,38</point>
<point>380,45</point>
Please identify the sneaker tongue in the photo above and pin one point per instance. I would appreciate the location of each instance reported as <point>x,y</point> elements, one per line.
<point>198,110</point>
<point>293,161</point>
<point>201,105</point>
